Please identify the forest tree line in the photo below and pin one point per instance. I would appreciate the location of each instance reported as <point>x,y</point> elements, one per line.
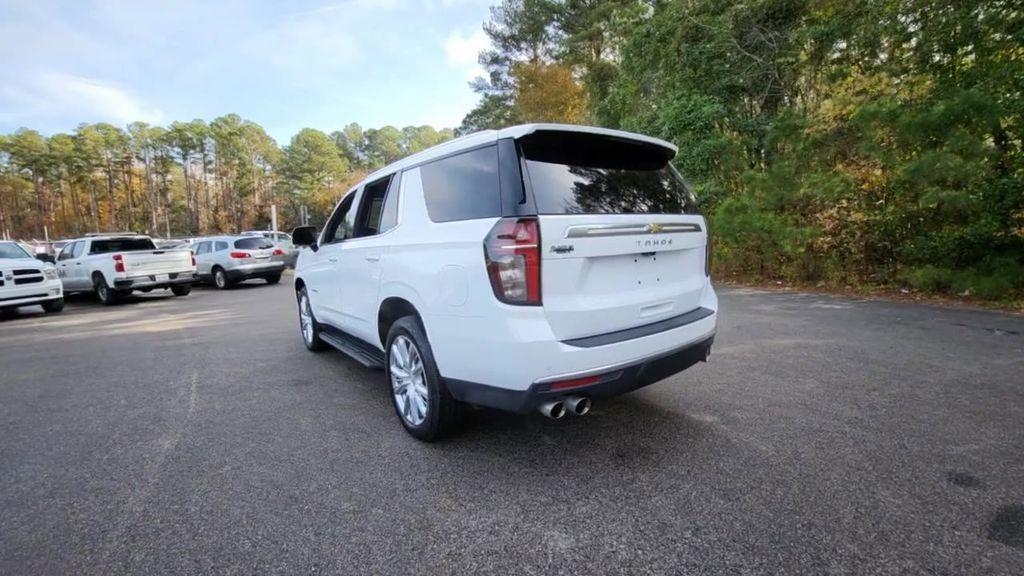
<point>874,142</point>
<point>186,178</point>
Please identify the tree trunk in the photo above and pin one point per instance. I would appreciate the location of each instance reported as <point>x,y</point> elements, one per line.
<point>111,195</point>
<point>63,208</point>
<point>95,207</point>
<point>150,195</point>
<point>190,214</point>
<point>127,171</point>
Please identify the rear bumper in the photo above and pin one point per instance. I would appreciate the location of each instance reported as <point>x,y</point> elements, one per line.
<point>517,348</point>
<point>261,270</point>
<point>614,380</point>
<point>154,282</point>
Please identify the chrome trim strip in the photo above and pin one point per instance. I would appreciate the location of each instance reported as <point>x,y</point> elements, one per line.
<point>627,363</point>
<point>603,230</point>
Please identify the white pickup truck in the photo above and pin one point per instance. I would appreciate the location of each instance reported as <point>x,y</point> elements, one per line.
<point>112,265</point>
<point>25,281</point>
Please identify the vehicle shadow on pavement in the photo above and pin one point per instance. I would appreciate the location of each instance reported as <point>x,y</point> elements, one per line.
<point>624,430</point>
<point>90,300</point>
<point>243,285</point>
<point>635,430</point>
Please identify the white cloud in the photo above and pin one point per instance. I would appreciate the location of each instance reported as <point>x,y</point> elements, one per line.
<point>57,94</point>
<point>463,52</point>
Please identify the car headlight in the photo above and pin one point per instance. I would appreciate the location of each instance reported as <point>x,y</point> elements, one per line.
<point>50,273</point>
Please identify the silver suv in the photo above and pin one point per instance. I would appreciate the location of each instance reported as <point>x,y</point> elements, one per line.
<point>282,240</point>
<point>228,260</point>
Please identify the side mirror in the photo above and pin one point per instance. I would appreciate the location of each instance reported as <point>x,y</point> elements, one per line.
<point>304,236</point>
<point>45,257</point>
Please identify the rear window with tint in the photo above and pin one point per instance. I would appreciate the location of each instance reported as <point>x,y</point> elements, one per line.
<point>254,243</point>
<point>575,173</point>
<point>462,187</point>
<point>121,245</point>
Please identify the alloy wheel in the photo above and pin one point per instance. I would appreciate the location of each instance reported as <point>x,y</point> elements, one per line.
<point>306,319</point>
<point>408,381</point>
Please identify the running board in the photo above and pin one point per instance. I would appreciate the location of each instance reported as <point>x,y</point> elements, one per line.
<point>358,350</point>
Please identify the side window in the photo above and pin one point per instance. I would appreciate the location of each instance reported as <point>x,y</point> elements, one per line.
<point>371,206</point>
<point>203,248</point>
<point>463,187</point>
<point>389,215</point>
<point>68,252</point>
<point>342,222</point>
<point>79,248</point>
<point>221,245</point>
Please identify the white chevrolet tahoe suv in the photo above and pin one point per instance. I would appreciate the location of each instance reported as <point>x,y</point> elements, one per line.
<point>25,281</point>
<point>534,267</point>
<point>112,265</point>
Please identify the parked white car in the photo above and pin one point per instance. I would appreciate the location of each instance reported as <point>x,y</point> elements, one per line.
<point>117,264</point>
<point>535,267</point>
<point>26,281</point>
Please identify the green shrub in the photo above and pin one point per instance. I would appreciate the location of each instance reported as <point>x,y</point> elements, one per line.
<point>929,279</point>
<point>996,279</point>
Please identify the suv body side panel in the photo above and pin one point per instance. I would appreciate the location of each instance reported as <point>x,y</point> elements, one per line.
<point>358,274</point>
<point>318,274</point>
<point>437,267</point>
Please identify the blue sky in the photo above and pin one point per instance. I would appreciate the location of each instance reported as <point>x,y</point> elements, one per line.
<point>285,65</point>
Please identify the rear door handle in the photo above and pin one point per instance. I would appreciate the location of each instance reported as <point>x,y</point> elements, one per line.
<point>332,259</point>
<point>372,258</point>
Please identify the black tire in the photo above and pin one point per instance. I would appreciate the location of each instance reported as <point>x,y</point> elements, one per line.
<point>53,306</point>
<point>444,413</point>
<point>312,340</point>
<point>221,280</point>
<point>273,279</point>
<point>181,289</point>
<point>107,295</point>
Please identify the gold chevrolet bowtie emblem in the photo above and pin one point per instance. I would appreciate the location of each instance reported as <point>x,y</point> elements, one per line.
<point>654,228</point>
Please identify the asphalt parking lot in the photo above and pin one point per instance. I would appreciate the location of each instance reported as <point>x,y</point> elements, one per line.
<point>196,435</point>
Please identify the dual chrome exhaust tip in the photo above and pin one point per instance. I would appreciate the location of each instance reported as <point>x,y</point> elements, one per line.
<point>575,405</point>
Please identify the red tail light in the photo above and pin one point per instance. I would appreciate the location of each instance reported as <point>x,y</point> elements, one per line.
<point>575,382</point>
<point>278,252</point>
<point>512,254</point>
<point>118,263</point>
<point>193,258</point>
<point>240,255</point>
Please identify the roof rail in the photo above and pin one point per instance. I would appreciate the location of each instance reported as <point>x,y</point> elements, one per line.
<point>94,234</point>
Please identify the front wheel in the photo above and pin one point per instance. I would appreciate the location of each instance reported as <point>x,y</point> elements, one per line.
<point>422,401</point>
<point>308,325</point>
<point>53,306</point>
<point>181,289</point>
